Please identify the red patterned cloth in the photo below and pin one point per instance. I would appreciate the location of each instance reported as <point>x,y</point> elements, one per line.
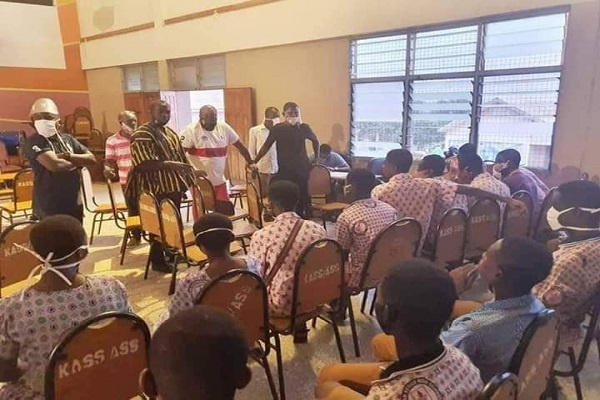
<point>265,246</point>
<point>356,228</point>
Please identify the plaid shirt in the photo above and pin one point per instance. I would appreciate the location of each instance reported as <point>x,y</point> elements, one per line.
<point>574,278</point>
<point>356,228</point>
<point>451,376</point>
<point>411,197</point>
<point>265,246</point>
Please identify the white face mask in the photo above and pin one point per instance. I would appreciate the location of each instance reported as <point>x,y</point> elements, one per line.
<point>47,264</point>
<point>46,127</point>
<point>553,215</point>
<point>293,120</point>
<point>126,127</point>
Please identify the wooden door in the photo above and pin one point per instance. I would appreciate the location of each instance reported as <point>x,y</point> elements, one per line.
<point>140,104</point>
<point>239,113</point>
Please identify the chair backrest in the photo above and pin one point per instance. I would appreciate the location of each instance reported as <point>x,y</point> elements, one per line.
<point>150,214</point>
<point>319,181</point>
<point>375,165</point>
<point>534,357</point>
<point>88,189</point>
<point>541,225</point>
<point>318,277</point>
<point>252,177</point>
<point>451,237</point>
<point>113,201</point>
<point>526,198</point>
<point>23,186</point>
<point>482,227</point>
<point>243,294</point>
<point>255,206</point>
<point>172,227</point>
<point>197,202</point>
<point>503,386</point>
<point>108,350</point>
<point>398,241</point>
<point>207,192</point>
<point>517,222</point>
<point>3,154</point>
<point>15,263</point>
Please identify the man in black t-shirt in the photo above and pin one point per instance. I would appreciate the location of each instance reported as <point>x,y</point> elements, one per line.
<point>55,159</point>
<point>294,164</point>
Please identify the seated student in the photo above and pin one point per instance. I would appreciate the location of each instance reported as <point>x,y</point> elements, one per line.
<point>214,234</point>
<point>508,168</point>
<point>268,246</point>
<point>331,159</point>
<point>417,198</point>
<point>358,225</point>
<point>414,302</point>
<point>575,276</point>
<point>490,334</point>
<point>471,173</point>
<point>33,321</point>
<point>452,157</point>
<point>200,354</point>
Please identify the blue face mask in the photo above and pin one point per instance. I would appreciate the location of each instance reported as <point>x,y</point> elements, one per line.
<point>553,215</point>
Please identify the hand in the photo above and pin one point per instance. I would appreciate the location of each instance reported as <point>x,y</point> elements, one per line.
<point>253,167</point>
<point>518,205</point>
<point>109,173</point>
<point>64,156</point>
<point>464,277</point>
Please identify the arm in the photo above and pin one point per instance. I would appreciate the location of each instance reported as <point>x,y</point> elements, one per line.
<point>53,163</point>
<point>315,142</point>
<point>9,350</point>
<point>265,147</point>
<point>79,160</point>
<point>475,192</point>
<point>252,144</point>
<point>341,164</point>
<point>243,151</point>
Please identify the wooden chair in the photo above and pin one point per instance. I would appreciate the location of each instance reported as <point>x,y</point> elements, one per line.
<point>99,359</point>
<point>252,177</point>
<point>245,229</point>
<point>173,238</point>
<point>482,228</point>
<point>237,193</point>
<point>123,221</point>
<point>319,187</point>
<point>209,198</point>
<point>22,197</point>
<point>101,212</point>
<point>517,223</point>
<point>397,242</point>
<point>541,231</point>
<point>577,362</point>
<point>150,221</point>
<point>244,295</point>
<point>16,264</point>
<point>318,282</point>
<point>450,239</point>
<point>501,387</point>
<point>5,165</point>
<point>534,357</point>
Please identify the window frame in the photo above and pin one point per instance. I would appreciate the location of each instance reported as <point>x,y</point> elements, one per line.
<point>477,75</point>
<point>143,77</point>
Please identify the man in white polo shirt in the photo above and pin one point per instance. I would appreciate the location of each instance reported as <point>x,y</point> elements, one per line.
<point>206,143</point>
<point>267,166</point>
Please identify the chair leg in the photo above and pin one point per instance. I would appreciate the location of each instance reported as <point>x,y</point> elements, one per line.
<point>576,380</point>
<point>364,301</point>
<point>124,245</point>
<point>100,223</point>
<point>147,267</point>
<point>173,276</point>
<point>373,303</point>
<point>267,368</point>
<point>338,340</point>
<point>353,327</point>
<point>93,228</point>
<point>279,366</point>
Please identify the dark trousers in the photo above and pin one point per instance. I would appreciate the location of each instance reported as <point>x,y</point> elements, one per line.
<point>132,209</point>
<point>157,250</point>
<point>301,179</point>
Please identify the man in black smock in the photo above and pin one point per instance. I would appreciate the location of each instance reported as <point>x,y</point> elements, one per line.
<point>55,160</point>
<point>294,164</point>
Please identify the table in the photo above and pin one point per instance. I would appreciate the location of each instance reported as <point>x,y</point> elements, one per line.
<point>9,176</point>
<point>339,175</point>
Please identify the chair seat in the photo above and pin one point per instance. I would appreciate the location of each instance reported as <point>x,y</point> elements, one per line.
<point>6,192</point>
<point>331,206</point>
<point>11,168</point>
<point>107,208</point>
<point>239,214</point>
<point>133,222</point>
<point>194,254</point>
<point>188,236</point>
<point>284,324</point>
<point>20,206</point>
<point>244,230</point>
<point>238,189</point>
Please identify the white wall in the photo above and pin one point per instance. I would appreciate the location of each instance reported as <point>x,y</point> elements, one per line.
<point>283,22</point>
<point>30,36</point>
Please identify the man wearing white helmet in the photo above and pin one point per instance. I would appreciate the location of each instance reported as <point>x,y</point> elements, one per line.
<point>55,158</point>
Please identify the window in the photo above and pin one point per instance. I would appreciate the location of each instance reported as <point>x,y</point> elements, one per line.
<point>141,78</point>
<point>494,83</point>
<point>197,73</point>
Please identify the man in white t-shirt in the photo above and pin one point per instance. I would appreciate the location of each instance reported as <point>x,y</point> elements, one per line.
<point>206,143</point>
<point>267,166</point>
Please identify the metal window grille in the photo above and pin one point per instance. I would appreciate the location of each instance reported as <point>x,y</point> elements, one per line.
<point>494,83</point>
<point>197,73</point>
<point>141,78</point>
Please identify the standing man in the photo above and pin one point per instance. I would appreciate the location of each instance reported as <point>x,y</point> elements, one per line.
<point>207,142</point>
<point>118,160</point>
<point>294,164</point>
<point>55,159</point>
<point>160,167</point>
<point>267,166</point>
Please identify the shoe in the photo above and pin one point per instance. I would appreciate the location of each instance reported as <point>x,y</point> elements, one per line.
<point>134,242</point>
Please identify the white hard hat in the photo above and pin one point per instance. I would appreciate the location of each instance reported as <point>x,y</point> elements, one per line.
<point>44,105</point>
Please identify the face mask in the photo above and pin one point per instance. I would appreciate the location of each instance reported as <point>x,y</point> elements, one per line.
<point>347,189</point>
<point>553,215</point>
<point>293,120</point>
<point>126,127</point>
<point>47,264</point>
<point>46,127</point>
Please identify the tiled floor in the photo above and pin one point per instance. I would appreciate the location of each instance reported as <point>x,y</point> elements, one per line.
<point>301,362</point>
